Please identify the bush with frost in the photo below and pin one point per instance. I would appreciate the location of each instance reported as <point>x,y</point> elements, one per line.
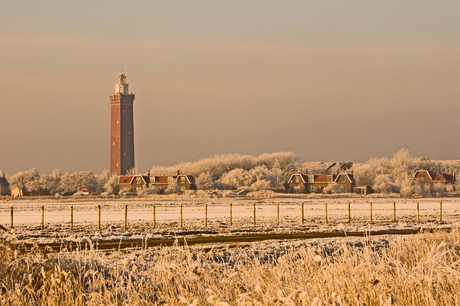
<point>333,188</point>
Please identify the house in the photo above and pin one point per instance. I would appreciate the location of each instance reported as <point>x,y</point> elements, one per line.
<point>298,183</point>
<point>161,182</point>
<point>316,183</point>
<point>83,192</point>
<point>4,186</point>
<point>133,183</point>
<point>433,180</point>
<point>184,182</point>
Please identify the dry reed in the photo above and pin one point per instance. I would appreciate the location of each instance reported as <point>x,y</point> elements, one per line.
<point>418,270</point>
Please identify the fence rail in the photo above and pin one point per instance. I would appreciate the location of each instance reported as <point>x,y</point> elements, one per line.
<point>298,212</point>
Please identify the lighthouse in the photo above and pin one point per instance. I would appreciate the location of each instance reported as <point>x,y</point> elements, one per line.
<point>122,127</point>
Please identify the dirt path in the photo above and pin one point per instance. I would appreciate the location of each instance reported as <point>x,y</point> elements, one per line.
<point>245,238</point>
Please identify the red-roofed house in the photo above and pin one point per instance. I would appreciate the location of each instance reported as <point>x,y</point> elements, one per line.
<point>315,183</point>
<point>162,182</point>
<point>133,183</point>
<point>298,183</point>
<point>431,179</point>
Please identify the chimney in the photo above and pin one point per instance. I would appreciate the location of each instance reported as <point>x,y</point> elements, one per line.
<point>178,172</point>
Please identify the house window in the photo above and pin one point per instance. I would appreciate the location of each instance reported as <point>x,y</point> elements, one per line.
<point>296,179</point>
<point>182,180</point>
<point>422,178</point>
<point>138,180</point>
<point>344,179</point>
<point>329,178</point>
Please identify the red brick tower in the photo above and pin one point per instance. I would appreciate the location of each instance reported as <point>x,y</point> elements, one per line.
<point>122,128</point>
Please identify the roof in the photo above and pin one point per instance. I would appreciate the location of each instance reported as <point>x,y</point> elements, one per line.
<point>191,179</point>
<point>3,182</point>
<point>321,178</point>
<point>128,179</point>
<point>350,177</point>
<point>160,179</point>
<point>443,177</point>
<point>125,179</point>
<point>302,176</point>
<point>424,171</point>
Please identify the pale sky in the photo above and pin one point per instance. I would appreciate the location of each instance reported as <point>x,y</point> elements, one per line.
<point>329,80</point>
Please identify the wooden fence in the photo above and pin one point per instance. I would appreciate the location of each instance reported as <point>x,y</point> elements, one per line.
<point>180,217</point>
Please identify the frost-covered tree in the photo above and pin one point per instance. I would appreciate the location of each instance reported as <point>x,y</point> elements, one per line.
<point>261,184</point>
<point>132,171</point>
<point>384,184</point>
<point>204,181</point>
<point>236,178</point>
<point>402,165</point>
<point>26,180</point>
<point>111,185</point>
<point>278,164</point>
<point>72,182</point>
<point>407,186</point>
<point>51,182</point>
<point>173,187</point>
<point>366,173</point>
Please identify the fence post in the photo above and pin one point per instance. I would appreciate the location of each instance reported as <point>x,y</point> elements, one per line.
<point>440,211</point>
<point>126,216</point>
<point>302,214</point>
<point>206,214</point>
<point>181,215</point>
<point>370,212</point>
<point>99,217</point>
<point>278,213</point>
<point>418,213</point>
<point>325,210</point>
<point>394,211</point>
<point>254,214</point>
<point>349,212</point>
<point>154,217</point>
<point>71,217</point>
<point>11,212</point>
<point>43,217</point>
<point>231,212</point>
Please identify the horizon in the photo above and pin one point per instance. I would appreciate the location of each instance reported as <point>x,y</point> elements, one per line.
<point>328,81</point>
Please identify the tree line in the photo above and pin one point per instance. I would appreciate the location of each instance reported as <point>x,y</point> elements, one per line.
<point>269,171</point>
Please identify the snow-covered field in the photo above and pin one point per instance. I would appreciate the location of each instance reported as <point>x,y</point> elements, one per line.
<point>27,216</point>
<point>374,270</point>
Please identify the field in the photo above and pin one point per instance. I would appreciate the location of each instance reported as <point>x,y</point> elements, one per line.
<point>418,269</point>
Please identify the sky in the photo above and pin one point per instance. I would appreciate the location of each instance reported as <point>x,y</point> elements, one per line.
<point>328,80</point>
